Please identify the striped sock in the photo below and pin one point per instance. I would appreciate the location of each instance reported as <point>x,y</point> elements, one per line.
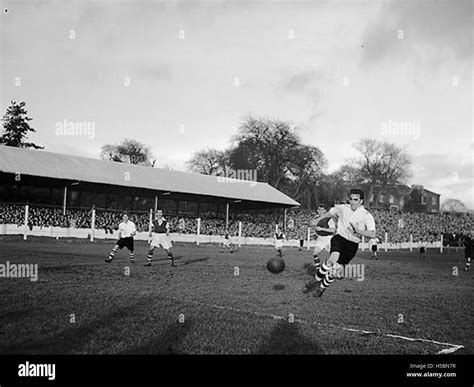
<point>322,271</point>
<point>328,280</point>
<point>149,257</point>
<point>468,263</point>
<point>317,262</point>
<point>112,254</point>
<point>131,255</point>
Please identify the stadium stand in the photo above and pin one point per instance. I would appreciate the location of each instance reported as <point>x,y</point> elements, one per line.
<point>398,226</point>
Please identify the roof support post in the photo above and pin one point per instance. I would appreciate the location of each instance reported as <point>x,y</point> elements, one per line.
<point>64,200</point>
<point>227,216</point>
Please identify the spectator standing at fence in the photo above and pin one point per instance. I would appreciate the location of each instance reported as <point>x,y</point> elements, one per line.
<point>422,249</point>
<point>373,247</point>
<point>301,236</point>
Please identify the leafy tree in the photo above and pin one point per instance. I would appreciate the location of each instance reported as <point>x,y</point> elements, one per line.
<point>16,127</point>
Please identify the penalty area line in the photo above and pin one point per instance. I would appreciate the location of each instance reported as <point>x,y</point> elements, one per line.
<point>451,347</point>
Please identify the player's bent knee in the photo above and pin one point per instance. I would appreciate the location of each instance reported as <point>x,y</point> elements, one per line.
<point>333,258</point>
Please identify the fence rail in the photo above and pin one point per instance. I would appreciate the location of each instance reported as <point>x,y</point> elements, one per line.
<point>84,233</point>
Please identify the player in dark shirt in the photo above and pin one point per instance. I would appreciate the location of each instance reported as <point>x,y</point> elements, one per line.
<point>159,236</point>
<point>279,237</point>
<point>468,250</point>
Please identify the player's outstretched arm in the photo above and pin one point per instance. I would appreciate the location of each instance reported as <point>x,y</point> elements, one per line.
<point>314,222</point>
<point>332,230</point>
<point>366,233</point>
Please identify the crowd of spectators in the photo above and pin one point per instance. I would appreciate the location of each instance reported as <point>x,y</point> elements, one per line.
<point>399,226</point>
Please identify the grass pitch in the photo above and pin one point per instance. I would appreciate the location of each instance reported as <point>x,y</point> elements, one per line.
<point>220,302</point>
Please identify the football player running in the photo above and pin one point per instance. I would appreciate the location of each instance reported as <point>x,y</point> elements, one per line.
<point>354,221</point>
<point>325,231</point>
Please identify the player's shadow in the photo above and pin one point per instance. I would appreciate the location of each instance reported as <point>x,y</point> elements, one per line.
<point>286,339</point>
<point>189,261</point>
<point>310,269</point>
<point>165,258</point>
<point>72,339</point>
<point>165,344</point>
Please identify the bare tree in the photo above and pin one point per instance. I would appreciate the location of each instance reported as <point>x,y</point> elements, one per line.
<point>128,151</point>
<point>381,164</point>
<point>209,162</point>
<point>267,145</point>
<point>306,166</point>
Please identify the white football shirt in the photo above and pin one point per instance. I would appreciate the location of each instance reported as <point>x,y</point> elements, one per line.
<point>361,218</point>
<point>126,229</point>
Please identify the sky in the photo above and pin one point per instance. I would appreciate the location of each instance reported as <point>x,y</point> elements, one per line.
<point>181,76</point>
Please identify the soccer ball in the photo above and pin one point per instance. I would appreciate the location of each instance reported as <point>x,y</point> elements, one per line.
<point>276,265</point>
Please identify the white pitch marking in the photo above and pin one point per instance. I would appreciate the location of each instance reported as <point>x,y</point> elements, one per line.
<point>452,347</point>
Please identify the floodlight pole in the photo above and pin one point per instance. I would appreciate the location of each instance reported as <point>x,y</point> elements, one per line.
<point>284,220</point>
<point>156,203</point>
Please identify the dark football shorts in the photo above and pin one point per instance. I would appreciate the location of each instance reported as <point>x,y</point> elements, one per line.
<point>422,250</point>
<point>344,247</point>
<point>125,242</point>
<point>374,248</point>
<point>467,253</point>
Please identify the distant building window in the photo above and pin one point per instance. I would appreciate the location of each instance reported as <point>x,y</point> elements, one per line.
<point>423,199</point>
<point>433,200</point>
<point>391,199</point>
